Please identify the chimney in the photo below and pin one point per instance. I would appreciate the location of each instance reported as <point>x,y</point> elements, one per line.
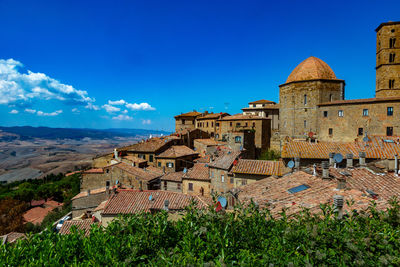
<point>338,202</point>
<point>141,185</point>
<point>88,192</point>
<point>166,204</point>
<point>314,173</point>
<point>362,156</point>
<point>325,170</point>
<point>116,154</point>
<point>331,160</point>
<point>163,169</point>
<point>396,165</point>
<point>297,163</point>
<point>349,162</point>
<point>341,183</point>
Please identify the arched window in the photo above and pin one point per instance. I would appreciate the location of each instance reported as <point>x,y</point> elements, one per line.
<point>305,99</point>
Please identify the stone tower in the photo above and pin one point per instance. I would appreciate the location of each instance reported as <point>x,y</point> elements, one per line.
<point>388,60</point>
<point>312,82</point>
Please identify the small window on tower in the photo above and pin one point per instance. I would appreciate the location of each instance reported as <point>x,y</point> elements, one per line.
<point>325,114</point>
<point>389,131</point>
<point>365,112</point>
<point>392,42</point>
<point>340,113</point>
<point>391,57</point>
<point>390,111</point>
<point>330,131</point>
<point>305,99</point>
<point>360,131</point>
<point>305,124</point>
<point>391,84</point>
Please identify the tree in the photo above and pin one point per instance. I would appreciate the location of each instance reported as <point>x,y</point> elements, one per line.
<point>11,211</point>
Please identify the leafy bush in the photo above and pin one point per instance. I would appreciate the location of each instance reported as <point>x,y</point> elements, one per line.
<point>246,236</point>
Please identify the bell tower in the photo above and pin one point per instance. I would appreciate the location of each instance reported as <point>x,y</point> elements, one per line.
<point>388,60</point>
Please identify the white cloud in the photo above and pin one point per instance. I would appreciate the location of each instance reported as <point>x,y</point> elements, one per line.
<point>110,108</point>
<point>144,122</point>
<point>17,86</point>
<point>92,107</point>
<point>30,110</point>
<point>141,106</point>
<point>125,111</point>
<point>75,110</point>
<point>117,102</point>
<point>122,118</point>
<point>55,113</point>
<point>14,111</point>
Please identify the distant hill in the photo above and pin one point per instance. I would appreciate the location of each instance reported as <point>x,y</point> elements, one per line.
<point>28,132</point>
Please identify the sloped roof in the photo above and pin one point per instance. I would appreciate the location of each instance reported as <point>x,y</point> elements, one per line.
<point>177,152</point>
<point>84,225</point>
<point>134,201</point>
<point>150,145</point>
<point>93,171</point>
<point>37,214</point>
<point>241,116</point>
<point>188,114</point>
<point>11,237</point>
<point>199,171</point>
<point>262,101</point>
<point>379,147</point>
<point>225,161</point>
<point>172,176</point>
<point>259,167</point>
<point>311,68</point>
<point>211,116</point>
<point>210,142</point>
<point>143,174</point>
<point>92,192</point>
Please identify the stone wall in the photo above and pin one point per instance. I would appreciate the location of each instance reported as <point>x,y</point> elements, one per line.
<point>207,125</point>
<point>243,179</point>
<point>171,186</point>
<point>299,117</point>
<point>218,184</point>
<point>93,181</point>
<point>345,129</point>
<point>185,123</point>
<point>386,70</point>
<point>102,161</point>
<point>197,187</point>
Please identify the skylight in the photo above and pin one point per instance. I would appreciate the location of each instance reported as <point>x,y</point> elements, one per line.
<point>298,188</point>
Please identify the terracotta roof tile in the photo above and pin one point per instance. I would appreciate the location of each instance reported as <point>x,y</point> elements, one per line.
<point>134,159</point>
<point>84,225</point>
<point>12,237</point>
<point>199,171</point>
<point>210,142</point>
<point>172,176</point>
<point>189,114</point>
<point>211,116</point>
<point>378,147</point>
<point>144,174</point>
<point>177,152</point>
<point>36,215</point>
<point>311,68</point>
<point>259,167</point>
<point>92,192</point>
<point>225,161</point>
<point>133,201</point>
<point>91,171</point>
<point>241,116</point>
<point>150,145</point>
<point>262,101</point>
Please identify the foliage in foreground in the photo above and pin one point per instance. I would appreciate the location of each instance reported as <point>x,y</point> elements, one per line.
<point>245,237</point>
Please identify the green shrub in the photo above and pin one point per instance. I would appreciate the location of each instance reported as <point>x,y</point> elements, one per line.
<point>270,155</point>
<point>246,236</point>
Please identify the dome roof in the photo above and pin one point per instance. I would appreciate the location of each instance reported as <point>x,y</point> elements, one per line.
<point>311,69</point>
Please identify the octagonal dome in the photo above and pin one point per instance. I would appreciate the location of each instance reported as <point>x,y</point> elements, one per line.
<point>311,69</point>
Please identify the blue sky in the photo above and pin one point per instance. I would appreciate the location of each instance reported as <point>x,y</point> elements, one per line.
<point>136,64</point>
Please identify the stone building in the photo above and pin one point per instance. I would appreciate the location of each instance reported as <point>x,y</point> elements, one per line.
<point>221,178</point>
<point>86,201</point>
<point>197,180</point>
<point>208,122</point>
<point>176,158</point>
<point>264,108</point>
<point>172,181</point>
<point>207,146</point>
<point>239,122</point>
<point>388,60</point>
<point>186,121</point>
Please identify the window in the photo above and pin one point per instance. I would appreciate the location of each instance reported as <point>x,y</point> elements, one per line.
<point>198,124</point>
<point>108,183</point>
<point>212,124</point>
<point>190,187</point>
<point>217,124</point>
<point>230,124</point>
<point>360,131</point>
<point>178,186</point>
<point>254,105</point>
<point>217,136</point>
<point>305,99</point>
<point>245,124</point>
<point>183,121</point>
<point>108,171</point>
<point>330,131</point>
<point>391,57</point>
<point>165,185</point>
<point>159,164</point>
<point>389,131</point>
<point>231,181</point>
<point>340,113</point>
<point>222,178</point>
<point>365,112</point>
<point>170,164</point>
<point>207,124</point>
<point>390,111</point>
<point>238,139</point>
<point>391,84</point>
<point>212,173</point>
<point>254,124</point>
<point>238,124</point>
<point>298,188</point>
<point>305,124</point>
<point>244,181</point>
<point>392,41</point>
<point>151,158</point>
<point>325,114</point>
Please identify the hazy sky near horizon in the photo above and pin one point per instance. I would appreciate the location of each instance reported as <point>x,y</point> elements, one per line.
<point>136,64</point>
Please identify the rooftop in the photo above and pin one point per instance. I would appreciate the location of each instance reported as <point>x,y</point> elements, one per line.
<point>259,167</point>
<point>93,171</point>
<point>360,101</point>
<point>211,116</point>
<point>241,116</point>
<point>225,160</point>
<point>11,237</point>
<point>150,145</point>
<point>311,68</point>
<point>177,152</point>
<point>133,201</point>
<point>387,24</point>
<point>188,114</point>
<point>209,142</point>
<point>84,225</point>
<point>144,174</point>
<point>199,171</point>
<point>262,101</point>
<point>172,176</point>
<point>378,147</point>
<point>92,192</point>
